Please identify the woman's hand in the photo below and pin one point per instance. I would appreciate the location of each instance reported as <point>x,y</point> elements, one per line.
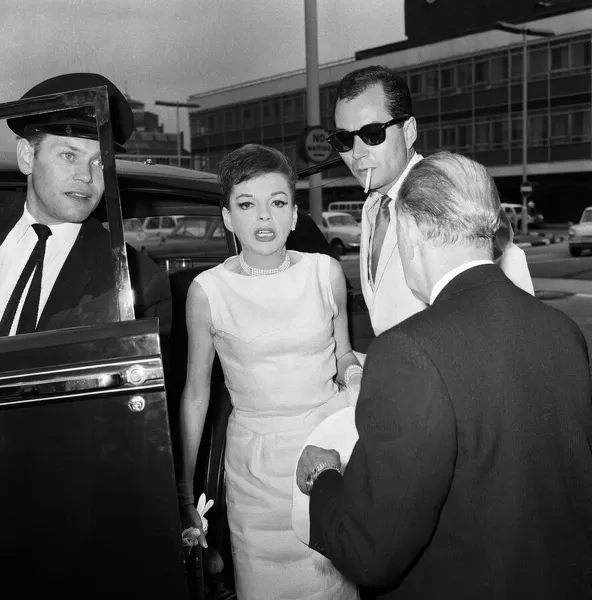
<point>192,527</point>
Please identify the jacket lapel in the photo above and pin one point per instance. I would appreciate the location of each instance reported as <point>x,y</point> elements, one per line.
<point>72,279</point>
<point>10,212</point>
<point>388,249</point>
<point>366,230</point>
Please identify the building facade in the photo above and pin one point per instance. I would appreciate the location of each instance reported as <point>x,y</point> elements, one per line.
<point>466,80</point>
<point>149,142</point>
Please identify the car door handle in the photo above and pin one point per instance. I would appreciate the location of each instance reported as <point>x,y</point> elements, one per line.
<point>93,379</point>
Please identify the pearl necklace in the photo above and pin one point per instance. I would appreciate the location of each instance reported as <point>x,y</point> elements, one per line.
<point>258,272</point>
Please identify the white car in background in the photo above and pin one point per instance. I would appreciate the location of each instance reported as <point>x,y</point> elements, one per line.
<point>514,212</point>
<point>162,225</point>
<point>580,235</point>
<point>342,232</point>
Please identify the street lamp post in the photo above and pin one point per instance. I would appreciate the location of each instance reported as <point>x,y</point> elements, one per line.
<point>525,186</point>
<point>178,105</point>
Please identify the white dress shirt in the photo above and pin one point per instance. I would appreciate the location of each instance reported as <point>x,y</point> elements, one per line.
<point>446,279</point>
<point>15,252</point>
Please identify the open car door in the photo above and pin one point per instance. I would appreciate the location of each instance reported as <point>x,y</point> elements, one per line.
<point>88,505</point>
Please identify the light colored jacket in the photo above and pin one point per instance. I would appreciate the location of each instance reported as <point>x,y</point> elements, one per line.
<point>389,300</point>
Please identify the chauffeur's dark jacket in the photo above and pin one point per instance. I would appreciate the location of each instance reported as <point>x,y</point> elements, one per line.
<point>472,476</point>
<point>84,292</point>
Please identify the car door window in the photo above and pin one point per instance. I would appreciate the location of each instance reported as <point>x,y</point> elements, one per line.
<point>152,223</point>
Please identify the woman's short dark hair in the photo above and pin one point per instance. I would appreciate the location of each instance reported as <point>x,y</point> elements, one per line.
<point>250,161</point>
<point>396,91</point>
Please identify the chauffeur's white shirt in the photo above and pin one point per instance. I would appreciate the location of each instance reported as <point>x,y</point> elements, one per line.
<point>15,251</point>
<point>388,298</point>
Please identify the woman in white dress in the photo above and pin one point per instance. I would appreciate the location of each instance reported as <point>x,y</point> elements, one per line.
<point>277,320</point>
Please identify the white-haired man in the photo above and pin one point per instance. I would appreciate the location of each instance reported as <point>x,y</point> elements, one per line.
<point>472,475</point>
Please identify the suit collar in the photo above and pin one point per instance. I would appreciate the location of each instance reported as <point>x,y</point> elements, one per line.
<point>471,278</point>
<point>374,197</point>
<point>11,210</point>
<point>81,261</point>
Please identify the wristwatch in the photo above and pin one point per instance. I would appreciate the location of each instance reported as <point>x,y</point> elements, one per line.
<point>312,476</point>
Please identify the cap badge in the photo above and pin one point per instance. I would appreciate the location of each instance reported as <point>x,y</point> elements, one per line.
<point>68,130</point>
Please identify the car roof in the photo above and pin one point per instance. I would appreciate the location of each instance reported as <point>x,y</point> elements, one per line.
<point>131,173</point>
<point>333,213</point>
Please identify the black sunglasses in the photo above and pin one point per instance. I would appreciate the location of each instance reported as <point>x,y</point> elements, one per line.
<point>372,134</point>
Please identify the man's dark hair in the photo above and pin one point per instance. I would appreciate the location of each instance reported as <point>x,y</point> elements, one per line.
<point>396,91</point>
<point>250,161</point>
<point>35,137</point>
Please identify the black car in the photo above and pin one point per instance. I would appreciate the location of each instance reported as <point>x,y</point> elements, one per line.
<point>198,242</point>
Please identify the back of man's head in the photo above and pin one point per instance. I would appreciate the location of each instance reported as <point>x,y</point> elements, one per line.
<point>453,200</point>
<point>396,91</point>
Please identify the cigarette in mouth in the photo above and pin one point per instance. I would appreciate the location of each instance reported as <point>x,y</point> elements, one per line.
<point>368,175</point>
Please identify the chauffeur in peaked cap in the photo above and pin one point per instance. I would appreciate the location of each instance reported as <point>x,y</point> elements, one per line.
<point>77,122</point>
<point>60,156</point>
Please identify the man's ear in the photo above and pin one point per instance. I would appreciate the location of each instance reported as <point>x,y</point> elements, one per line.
<point>410,132</point>
<point>25,155</point>
<point>227,219</point>
<point>411,235</point>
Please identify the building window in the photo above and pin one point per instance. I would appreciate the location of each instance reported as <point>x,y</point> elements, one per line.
<point>432,81</point>
<point>517,131</point>
<point>432,140</point>
<point>447,78</point>
<point>482,72</point>
<point>499,134</point>
<point>580,54</point>
<point>516,63</point>
<point>537,130</point>
<point>464,75</point>
<point>560,128</point>
<point>449,137</point>
<point>559,58</point>
<point>267,113</point>
<point>464,136</point>
<point>201,162</point>
<point>230,120</point>
<point>482,136</point>
<point>499,68</point>
<point>293,107</point>
<point>537,62</point>
<point>580,125</point>
<point>416,83</point>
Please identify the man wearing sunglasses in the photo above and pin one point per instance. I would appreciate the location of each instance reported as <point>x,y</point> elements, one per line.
<point>375,135</point>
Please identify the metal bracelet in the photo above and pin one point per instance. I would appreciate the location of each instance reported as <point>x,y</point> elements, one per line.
<point>350,371</point>
<point>312,476</point>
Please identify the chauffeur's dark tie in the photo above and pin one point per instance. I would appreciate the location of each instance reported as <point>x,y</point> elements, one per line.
<point>28,319</point>
<point>381,224</point>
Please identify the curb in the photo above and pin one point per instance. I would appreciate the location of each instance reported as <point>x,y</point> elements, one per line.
<point>544,241</point>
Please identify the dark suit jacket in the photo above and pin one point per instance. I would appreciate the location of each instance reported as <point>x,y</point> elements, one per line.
<point>84,292</point>
<point>472,476</point>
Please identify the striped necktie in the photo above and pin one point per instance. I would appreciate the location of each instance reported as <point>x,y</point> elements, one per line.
<point>381,224</point>
<point>28,319</point>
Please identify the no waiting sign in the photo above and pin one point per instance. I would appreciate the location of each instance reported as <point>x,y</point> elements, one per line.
<point>313,145</point>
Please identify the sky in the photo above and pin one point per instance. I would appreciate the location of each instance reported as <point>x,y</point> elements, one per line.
<point>169,49</point>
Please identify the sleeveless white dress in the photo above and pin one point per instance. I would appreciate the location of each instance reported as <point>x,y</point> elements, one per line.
<point>274,338</point>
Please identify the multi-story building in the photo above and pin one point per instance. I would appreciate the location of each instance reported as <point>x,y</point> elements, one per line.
<point>149,142</point>
<point>466,79</point>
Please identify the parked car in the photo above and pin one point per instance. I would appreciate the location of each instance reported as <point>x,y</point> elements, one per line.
<point>157,226</point>
<point>514,212</point>
<point>133,232</point>
<point>342,232</point>
<point>580,234</point>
